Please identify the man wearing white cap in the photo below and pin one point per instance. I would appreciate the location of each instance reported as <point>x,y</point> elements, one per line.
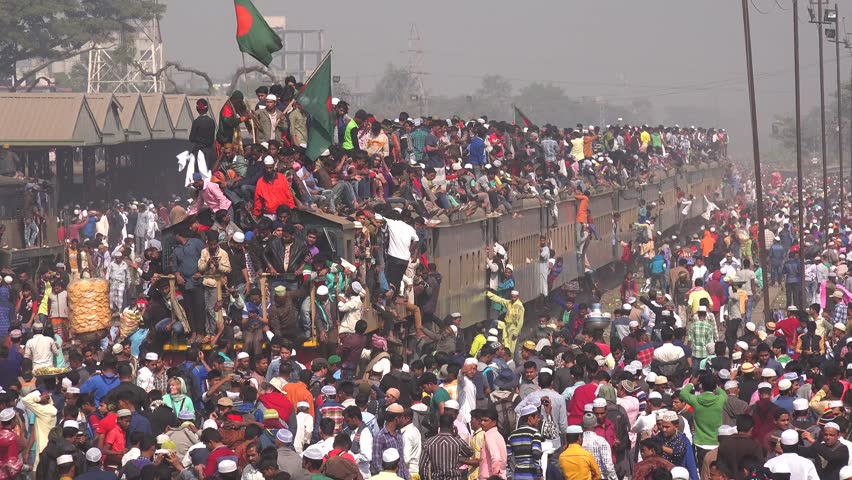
<point>390,464</point>
<point>145,375</point>
<point>11,463</point>
<point>118,277</point>
<point>550,402</point>
<point>514,319</point>
<point>349,306</point>
<point>828,453</point>
<point>800,467</point>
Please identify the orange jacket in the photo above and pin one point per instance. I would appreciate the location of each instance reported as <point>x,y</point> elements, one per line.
<point>707,243</point>
<point>269,196</point>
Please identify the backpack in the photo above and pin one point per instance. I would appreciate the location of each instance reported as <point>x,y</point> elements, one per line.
<point>250,415</point>
<point>356,439</point>
<point>186,372</point>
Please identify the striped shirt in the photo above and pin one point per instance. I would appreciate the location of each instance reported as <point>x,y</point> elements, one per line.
<point>333,410</point>
<point>440,457</point>
<point>524,446</point>
<point>383,441</point>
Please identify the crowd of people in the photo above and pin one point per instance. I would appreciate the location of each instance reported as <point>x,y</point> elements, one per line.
<point>199,376</point>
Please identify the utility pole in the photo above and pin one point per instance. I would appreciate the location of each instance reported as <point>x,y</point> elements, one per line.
<point>819,21</point>
<point>761,237</point>
<point>798,147</point>
<point>834,36</point>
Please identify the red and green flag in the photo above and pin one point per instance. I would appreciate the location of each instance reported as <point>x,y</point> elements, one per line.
<point>315,98</point>
<point>521,119</point>
<point>254,36</point>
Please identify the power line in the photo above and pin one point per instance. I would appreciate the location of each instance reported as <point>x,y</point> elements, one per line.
<point>757,9</point>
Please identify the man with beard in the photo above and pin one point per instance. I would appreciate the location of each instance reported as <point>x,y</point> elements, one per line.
<point>322,316</point>
<point>283,315</point>
<point>271,191</point>
<point>286,257</point>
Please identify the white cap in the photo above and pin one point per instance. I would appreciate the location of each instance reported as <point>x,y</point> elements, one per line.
<point>626,306</point>
<point>64,460</point>
<point>227,466</point>
<point>831,425</point>
<point>303,404</point>
<point>750,326</point>
<point>93,455</point>
<point>390,455</point>
<point>7,414</point>
<point>239,237</point>
<point>599,403</point>
<point>784,385</point>
<point>525,410</point>
<point>71,424</point>
<point>284,436</point>
<point>452,404</point>
<point>152,356</point>
<point>680,473</point>
<point>633,324</point>
<point>322,290</point>
<point>800,404</point>
<point>655,394</point>
<point>242,355</point>
<point>8,279</point>
<point>313,452</point>
<point>328,390</point>
<point>210,423</point>
<point>731,384</point>
<point>268,160</point>
<point>789,437</point>
<point>515,293</point>
<point>762,385</point>
<point>743,345</point>
<point>768,373</point>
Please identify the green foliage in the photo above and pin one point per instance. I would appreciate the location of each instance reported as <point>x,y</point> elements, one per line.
<point>52,29</point>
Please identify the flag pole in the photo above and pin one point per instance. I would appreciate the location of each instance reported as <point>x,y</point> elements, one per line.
<point>308,80</point>
<point>250,112</point>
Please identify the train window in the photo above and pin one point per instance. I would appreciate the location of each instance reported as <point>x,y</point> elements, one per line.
<point>328,242</point>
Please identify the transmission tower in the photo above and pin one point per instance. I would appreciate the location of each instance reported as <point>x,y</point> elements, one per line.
<point>107,75</point>
<point>415,69</point>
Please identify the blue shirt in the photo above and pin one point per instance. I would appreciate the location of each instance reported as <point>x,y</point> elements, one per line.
<point>100,385</point>
<point>186,261</point>
<point>138,423</point>
<point>476,149</point>
<point>199,375</point>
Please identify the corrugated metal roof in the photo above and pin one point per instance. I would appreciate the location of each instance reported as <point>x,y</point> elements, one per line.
<point>158,115</point>
<point>216,103</point>
<point>128,103</point>
<point>180,115</point>
<point>107,111</point>
<point>47,119</point>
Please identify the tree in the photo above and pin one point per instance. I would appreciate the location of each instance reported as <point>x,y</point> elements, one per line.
<point>47,31</point>
<point>393,92</point>
<point>494,97</point>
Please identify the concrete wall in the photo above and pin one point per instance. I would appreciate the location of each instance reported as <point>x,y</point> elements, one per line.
<point>459,249</point>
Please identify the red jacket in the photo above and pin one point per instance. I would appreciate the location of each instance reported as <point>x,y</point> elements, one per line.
<point>269,196</point>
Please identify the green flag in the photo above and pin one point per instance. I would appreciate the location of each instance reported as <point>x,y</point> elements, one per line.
<point>253,33</point>
<point>520,118</point>
<point>315,98</point>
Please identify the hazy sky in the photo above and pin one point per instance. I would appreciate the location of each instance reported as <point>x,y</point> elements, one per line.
<point>673,52</point>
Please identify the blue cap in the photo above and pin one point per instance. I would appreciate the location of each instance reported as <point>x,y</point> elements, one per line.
<point>197,176</point>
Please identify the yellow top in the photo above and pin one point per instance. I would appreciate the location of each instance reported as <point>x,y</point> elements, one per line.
<point>577,463</point>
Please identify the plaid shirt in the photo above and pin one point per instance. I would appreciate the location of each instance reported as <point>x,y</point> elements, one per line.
<point>383,441</point>
<point>600,449</point>
<point>702,334</point>
<point>839,315</point>
<point>418,140</point>
<point>645,354</point>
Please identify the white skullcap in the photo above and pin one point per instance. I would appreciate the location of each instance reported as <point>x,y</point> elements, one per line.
<point>7,414</point>
<point>743,345</point>
<point>322,290</point>
<point>242,355</point>
<point>268,160</point>
<point>390,455</point>
<point>731,384</point>
<point>64,460</point>
<point>784,385</point>
<point>313,452</point>
<point>599,403</point>
<point>655,394</point>
<point>210,423</point>
<point>284,436</point>
<point>93,455</point>
<point>239,237</point>
<point>527,410</point>
<point>152,356</point>
<point>227,466</point>
<point>271,97</point>
<point>71,424</point>
<point>800,404</point>
<point>680,473</point>
<point>750,326</point>
<point>452,404</point>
